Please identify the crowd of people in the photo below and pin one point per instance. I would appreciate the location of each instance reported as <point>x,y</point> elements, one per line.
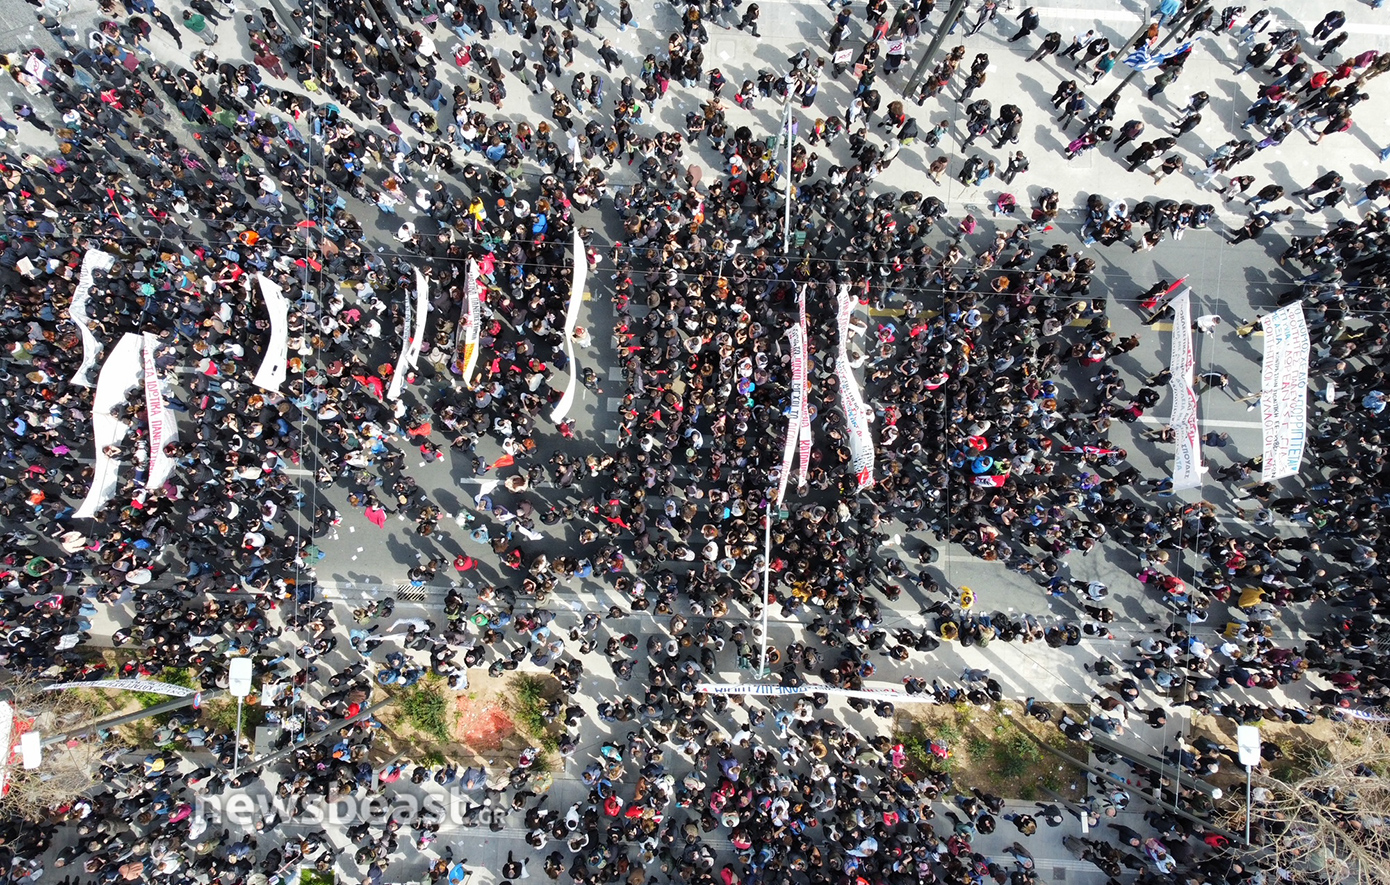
<point>993,388</point>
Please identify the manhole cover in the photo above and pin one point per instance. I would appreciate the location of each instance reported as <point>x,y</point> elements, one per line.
<point>1059,874</point>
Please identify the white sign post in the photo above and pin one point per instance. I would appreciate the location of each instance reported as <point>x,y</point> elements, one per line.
<point>239,685</point>
<point>1248,748</point>
<point>31,749</point>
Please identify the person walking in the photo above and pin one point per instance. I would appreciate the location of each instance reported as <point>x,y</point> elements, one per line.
<point>1029,23</point>
<point>1049,45</point>
<point>749,22</point>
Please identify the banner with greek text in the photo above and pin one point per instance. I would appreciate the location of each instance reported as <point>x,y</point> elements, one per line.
<point>413,331</point>
<point>861,443</point>
<point>119,374</point>
<point>804,437</point>
<point>765,690</point>
<point>93,260</point>
<point>1187,455</point>
<point>271,374</point>
<point>1284,392</point>
<point>148,685</point>
<point>163,428</point>
<point>798,408</point>
<point>472,316</point>
<point>579,281</point>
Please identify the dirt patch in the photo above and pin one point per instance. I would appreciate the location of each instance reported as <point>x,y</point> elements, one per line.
<point>482,723</point>
<point>991,748</point>
<point>486,724</point>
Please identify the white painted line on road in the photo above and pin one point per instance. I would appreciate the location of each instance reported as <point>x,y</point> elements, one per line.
<point>1207,422</point>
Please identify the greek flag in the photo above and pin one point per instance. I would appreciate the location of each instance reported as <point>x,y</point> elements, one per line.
<point>1143,60</point>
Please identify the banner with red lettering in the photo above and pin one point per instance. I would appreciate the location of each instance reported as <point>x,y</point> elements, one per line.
<point>1284,392</point>
<point>162,427</point>
<point>119,374</point>
<point>804,436</point>
<point>93,260</point>
<point>413,336</point>
<point>470,315</point>
<point>1187,455</point>
<point>857,417</point>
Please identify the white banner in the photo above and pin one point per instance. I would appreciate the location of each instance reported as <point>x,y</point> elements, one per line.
<point>7,718</point>
<point>163,428</point>
<point>119,374</point>
<point>797,410</point>
<point>413,336</point>
<point>804,436</point>
<point>1284,392</point>
<point>94,259</point>
<point>277,351</point>
<point>1187,455</point>
<point>580,280</point>
<point>173,691</point>
<point>857,418</point>
<point>765,690</point>
<point>472,316</point>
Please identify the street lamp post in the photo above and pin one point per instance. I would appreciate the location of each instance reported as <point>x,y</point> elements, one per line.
<point>952,16</point>
<point>239,685</point>
<point>1248,750</point>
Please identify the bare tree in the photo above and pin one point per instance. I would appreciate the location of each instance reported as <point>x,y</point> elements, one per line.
<point>1328,820</point>
<point>68,769</point>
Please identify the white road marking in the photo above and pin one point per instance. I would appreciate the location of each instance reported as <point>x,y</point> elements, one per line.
<point>1208,423</point>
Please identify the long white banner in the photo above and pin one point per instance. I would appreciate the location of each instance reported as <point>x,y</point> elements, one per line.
<point>163,428</point>
<point>271,374</point>
<point>1284,392</point>
<point>805,433</point>
<point>861,443</point>
<point>119,374</point>
<point>798,408</point>
<point>763,689</point>
<point>414,336</point>
<point>93,260</point>
<point>164,688</point>
<point>580,280</point>
<point>472,311</point>
<point>1187,455</point>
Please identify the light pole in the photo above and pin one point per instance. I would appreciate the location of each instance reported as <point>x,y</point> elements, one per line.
<point>239,685</point>
<point>787,219</point>
<point>952,16</point>
<point>1248,749</point>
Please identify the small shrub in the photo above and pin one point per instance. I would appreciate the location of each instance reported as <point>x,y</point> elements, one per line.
<point>314,877</point>
<point>916,747</point>
<point>528,705</point>
<point>948,731</point>
<point>426,709</point>
<point>979,746</point>
<point>171,675</point>
<point>1015,754</point>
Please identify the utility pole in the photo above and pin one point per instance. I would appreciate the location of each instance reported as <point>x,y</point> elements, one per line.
<point>165,707</point>
<point>952,16</point>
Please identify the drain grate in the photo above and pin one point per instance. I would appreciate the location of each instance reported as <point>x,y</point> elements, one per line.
<point>411,591</point>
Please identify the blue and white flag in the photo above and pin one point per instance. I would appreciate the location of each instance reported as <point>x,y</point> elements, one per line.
<point>1143,60</point>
